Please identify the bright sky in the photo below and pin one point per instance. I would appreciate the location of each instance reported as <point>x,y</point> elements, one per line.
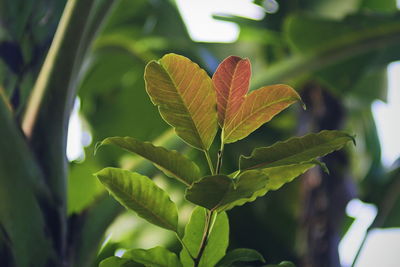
<point>203,28</point>
<point>387,117</point>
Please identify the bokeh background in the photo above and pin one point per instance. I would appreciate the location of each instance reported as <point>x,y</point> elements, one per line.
<point>340,55</point>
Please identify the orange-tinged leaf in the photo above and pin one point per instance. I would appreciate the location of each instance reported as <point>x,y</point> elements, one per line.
<point>259,107</point>
<point>231,81</point>
<point>185,97</point>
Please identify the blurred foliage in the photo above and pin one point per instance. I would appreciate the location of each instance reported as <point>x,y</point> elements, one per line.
<point>343,46</point>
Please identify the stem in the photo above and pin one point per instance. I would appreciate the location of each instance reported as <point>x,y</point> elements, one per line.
<point>184,245</point>
<point>204,239</point>
<point>219,159</point>
<point>210,165</point>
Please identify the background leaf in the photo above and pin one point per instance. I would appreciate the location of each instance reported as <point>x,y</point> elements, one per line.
<point>295,150</point>
<point>142,195</point>
<point>231,82</point>
<point>118,262</point>
<point>171,162</point>
<point>217,242</point>
<point>185,97</point>
<point>259,107</point>
<point>240,254</point>
<point>154,257</point>
<point>282,264</point>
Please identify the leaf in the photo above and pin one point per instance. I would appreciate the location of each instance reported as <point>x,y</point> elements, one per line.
<point>259,107</point>
<point>295,150</point>
<point>282,264</point>
<point>118,262</point>
<point>22,192</point>
<point>231,81</point>
<point>240,254</point>
<point>219,192</point>
<point>365,37</point>
<point>185,97</point>
<point>217,243</point>
<point>140,194</point>
<point>278,176</point>
<point>171,162</point>
<point>154,257</point>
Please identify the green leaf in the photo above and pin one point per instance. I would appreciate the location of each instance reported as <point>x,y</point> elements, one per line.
<point>171,162</point>
<point>185,97</point>
<point>240,254</point>
<point>219,192</point>
<point>366,37</point>
<point>22,190</point>
<point>282,264</point>
<point>278,176</point>
<point>295,150</point>
<point>259,107</point>
<point>231,81</point>
<point>154,257</point>
<point>217,243</point>
<point>140,194</point>
<point>118,262</point>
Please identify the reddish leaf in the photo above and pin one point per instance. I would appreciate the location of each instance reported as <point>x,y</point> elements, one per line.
<point>185,97</point>
<point>259,107</point>
<point>231,81</point>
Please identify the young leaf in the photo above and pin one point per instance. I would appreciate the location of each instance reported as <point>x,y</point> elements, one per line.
<point>295,150</point>
<point>219,192</point>
<point>157,257</point>
<point>140,194</point>
<point>240,254</point>
<point>185,97</point>
<point>259,107</point>
<point>217,243</point>
<point>118,262</point>
<point>171,162</point>
<point>231,81</point>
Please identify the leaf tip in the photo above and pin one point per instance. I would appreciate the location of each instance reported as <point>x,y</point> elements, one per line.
<point>324,168</point>
<point>303,105</point>
<point>353,139</point>
<point>97,146</point>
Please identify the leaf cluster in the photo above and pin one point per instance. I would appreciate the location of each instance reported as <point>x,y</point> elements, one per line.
<point>198,107</point>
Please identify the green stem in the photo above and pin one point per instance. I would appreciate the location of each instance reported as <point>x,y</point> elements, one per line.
<point>219,158</point>
<point>203,243</point>
<point>210,165</point>
<point>184,246</point>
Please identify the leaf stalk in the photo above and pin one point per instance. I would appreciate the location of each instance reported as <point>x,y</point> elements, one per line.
<point>210,165</point>
<point>207,230</point>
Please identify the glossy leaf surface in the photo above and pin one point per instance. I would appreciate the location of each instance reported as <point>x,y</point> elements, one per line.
<point>118,262</point>
<point>259,107</point>
<point>140,194</point>
<point>157,257</point>
<point>219,192</point>
<point>231,82</point>
<point>240,255</point>
<point>217,243</point>
<point>185,97</point>
<point>284,174</point>
<point>295,150</point>
<point>171,162</point>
